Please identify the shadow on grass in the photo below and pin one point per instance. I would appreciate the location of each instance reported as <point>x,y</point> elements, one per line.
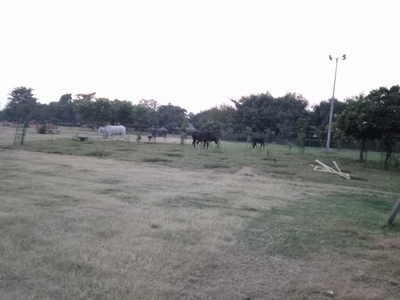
<point>98,153</point>
<point>215,166</point>
<point>155,160</point>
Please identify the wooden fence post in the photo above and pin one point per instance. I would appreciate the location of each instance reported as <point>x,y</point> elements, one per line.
<point>395,211</point>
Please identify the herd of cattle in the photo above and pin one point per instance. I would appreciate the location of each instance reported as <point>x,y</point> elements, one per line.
<point>200,138</point>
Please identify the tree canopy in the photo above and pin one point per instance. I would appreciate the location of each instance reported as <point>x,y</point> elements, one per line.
<point>21,104</point>
<point>373,117</point>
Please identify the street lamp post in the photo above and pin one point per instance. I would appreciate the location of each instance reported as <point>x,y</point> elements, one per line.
<point>328,140</point>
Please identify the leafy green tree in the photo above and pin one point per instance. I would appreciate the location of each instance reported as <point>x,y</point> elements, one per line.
<point>224,115</point>
<point>62,111</point>
<point>41,113</point>
<point>102,111</point>
<point>213,126</point>
<point>143,117</point>
<point>84,109</point>
<point>319,118</point>
<point>121,112</point>
<point>94,112</point>
<point>386,105</point>
<point>21,105</point>
<point>255,111</point>
<point>171,117</point>
<point>375,116</point>
<point>65,99</point>
<point>265,113</point>
<point>83,105</point>
<point>358,121</point>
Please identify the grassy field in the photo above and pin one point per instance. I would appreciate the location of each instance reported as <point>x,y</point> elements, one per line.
<point>277,160</point>
<point>120,220</point>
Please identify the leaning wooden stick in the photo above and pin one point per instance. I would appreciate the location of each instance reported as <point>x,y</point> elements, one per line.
<point>395,211</point>
<point>336,166</point>
<point>325,168</point>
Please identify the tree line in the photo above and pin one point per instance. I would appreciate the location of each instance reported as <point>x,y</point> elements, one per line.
<point>86,109</point>
<point>360,120</point>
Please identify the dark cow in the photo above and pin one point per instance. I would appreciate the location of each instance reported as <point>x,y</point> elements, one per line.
<point>258,141</point>
<point>204,137</point>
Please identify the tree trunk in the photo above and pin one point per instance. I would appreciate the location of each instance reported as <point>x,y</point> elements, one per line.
<point>395,211</point>
<point>388,156</point>
<point>362,150</point>
<point>388,143</point>
<point>24,129</point>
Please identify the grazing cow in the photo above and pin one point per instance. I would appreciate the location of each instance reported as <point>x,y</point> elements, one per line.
<point>110,130</point>
<point>204,137</point>
<point>258,140</point>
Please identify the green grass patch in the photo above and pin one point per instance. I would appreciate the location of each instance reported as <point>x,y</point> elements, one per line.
<point>338,222</point>
<point>232,155</point>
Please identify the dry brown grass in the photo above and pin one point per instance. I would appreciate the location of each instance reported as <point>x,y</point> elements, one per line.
<point>83,225</point>
<point>75,227</point>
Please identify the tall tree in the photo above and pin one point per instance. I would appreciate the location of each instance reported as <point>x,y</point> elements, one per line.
<point>95,113</point>
<point>264,113</point>
<point>102,111</point>
<point>358,121</point>
<point>121,112</point>
<point>63,110</point>
<point>375,116</point>
<point>21,105</point>
<point>319,118</point>
<point>386,103</point>
<point>171,117</point>
<point>144,114</point>
<point>223,114</point>
<point>140,117</point>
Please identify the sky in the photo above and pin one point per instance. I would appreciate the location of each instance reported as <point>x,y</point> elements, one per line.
<point>197,54</point>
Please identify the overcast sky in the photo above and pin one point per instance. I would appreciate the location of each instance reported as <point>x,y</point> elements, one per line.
<point>197,54</point>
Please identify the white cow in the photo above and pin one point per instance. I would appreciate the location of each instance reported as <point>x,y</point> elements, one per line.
<point>110,130</point>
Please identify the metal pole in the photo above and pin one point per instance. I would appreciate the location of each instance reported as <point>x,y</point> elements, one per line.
<point>328,140</point>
